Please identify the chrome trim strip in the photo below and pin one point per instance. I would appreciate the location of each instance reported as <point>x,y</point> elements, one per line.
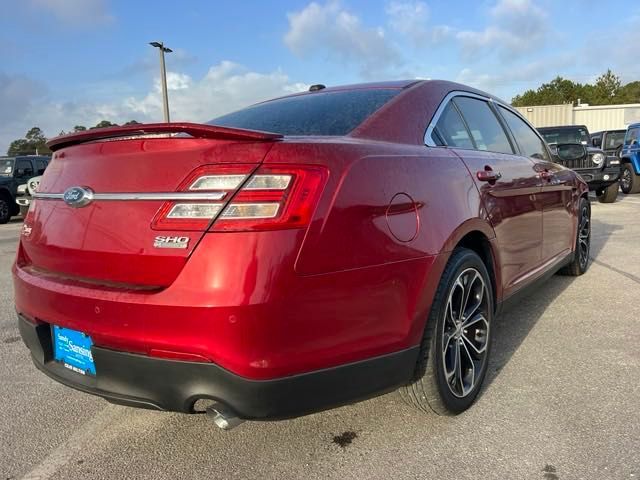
<point>143,196</point>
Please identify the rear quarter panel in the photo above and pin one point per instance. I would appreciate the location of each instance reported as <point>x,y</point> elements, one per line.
<point>389,205</point>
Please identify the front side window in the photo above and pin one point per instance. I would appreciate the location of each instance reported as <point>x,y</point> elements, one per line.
<point>485,128</point>
<point>450,129</point>
<point>23,168</point>
<point>613,140</point>
<point>530,143</point>
<point>6,167</point>
<point>632,136</point>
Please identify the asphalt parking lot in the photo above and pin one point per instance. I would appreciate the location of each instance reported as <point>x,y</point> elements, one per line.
<point>561,401</point>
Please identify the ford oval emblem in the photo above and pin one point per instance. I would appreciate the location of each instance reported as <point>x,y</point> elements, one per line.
<point>78,196</point>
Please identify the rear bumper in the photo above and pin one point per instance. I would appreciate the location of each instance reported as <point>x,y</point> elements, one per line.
<point>142,381</point>
<point>248,313</point>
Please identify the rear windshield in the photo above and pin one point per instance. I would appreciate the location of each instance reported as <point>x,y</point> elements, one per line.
<point>320,113</point>
<point>565,135</point>
<point>6,166</point>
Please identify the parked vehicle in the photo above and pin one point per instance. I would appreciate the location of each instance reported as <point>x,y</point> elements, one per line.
<point>296,255</point>
<point>15,171</point>
<point>599,171</point>
<point>610,141</point>
<point>25,193</point>
<point>630,158</point>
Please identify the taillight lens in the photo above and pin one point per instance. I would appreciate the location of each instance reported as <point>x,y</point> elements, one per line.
<point>273,197</point>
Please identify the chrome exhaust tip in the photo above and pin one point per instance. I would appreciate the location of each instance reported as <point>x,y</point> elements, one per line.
<point>223,416</point>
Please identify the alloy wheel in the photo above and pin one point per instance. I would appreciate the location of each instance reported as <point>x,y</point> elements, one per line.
<point>4,209</point>
<point>465,333</point>
<point>584,236</point>
<point>626,179</point>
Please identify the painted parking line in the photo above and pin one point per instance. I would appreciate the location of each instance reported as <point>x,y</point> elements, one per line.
<point>85,436</point>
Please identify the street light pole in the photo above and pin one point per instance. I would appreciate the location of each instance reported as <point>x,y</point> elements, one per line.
<point>163,77</point>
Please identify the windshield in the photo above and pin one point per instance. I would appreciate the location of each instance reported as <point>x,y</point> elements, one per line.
<point>614,140</point>
<point>6,166</point>
<point>321,113</point>
<point>565,135</point>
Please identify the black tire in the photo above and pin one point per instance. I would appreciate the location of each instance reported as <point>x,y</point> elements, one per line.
<point>580,262</point>
<point>5,211</point>
<point>629,181</point>
<point>609,194</point>
<point>443,338</point>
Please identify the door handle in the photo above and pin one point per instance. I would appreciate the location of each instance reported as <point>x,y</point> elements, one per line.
<point>546,175</point>
<point>488,175</point>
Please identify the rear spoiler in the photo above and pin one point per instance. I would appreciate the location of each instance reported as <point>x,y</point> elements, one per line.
<point>197,130</point>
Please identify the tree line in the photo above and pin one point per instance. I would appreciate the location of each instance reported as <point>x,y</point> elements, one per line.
<point>606,90</point>
<point>34,141</point>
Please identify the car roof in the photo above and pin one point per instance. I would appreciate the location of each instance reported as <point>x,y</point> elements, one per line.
<point>614,130</point>
<point>563,127</point>
<point>634,125</point>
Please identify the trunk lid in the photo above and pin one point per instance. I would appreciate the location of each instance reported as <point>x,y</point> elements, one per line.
<point>114,241</point>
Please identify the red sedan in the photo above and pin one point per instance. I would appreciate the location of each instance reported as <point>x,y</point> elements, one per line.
<point>296,255</point>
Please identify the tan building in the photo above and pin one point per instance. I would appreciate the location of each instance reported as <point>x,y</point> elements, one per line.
<point>605,117</point>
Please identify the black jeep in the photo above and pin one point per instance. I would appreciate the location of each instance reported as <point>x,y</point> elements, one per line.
<point>610,141</point>
<point>571,147</point>
<point>15,171</point>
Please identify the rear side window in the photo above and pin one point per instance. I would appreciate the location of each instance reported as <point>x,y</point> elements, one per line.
<point>485,128</point>
<point>320,113</point>
<point>41,165</point>
<point>530,143</point>
<point>450,129</point>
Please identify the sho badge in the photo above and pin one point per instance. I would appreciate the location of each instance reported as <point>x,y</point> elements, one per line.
<point>170,242</point>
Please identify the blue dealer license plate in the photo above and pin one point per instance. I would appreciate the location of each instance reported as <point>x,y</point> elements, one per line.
<point>73,350</point>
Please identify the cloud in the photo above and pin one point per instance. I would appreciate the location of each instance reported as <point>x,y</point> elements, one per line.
<point>80,13</point>
<point>512,80</point>
<point>410,19</point>
<point>340,35</point>
<point>517,26</point>
<point>179,58</point>
<point>225,87</point>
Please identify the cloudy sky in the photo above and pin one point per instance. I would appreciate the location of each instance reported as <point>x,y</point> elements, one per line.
<point>70,62</point>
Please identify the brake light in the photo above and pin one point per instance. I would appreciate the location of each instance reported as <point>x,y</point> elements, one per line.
<point>273,197</point>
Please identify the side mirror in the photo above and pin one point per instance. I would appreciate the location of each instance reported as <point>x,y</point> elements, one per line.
<point>571,151</point>
<point>596,141</point>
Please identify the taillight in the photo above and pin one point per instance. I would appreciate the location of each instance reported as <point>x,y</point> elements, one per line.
<point>196,215</point>
<point>272,197</point>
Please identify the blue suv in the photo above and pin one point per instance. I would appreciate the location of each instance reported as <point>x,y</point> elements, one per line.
<point>630,158</point>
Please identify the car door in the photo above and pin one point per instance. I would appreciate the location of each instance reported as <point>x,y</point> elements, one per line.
<point>631,147</point>
<point>507,182</point>
<point>555,198</point>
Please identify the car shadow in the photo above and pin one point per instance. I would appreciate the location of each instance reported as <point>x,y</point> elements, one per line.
<point>516,322</point>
